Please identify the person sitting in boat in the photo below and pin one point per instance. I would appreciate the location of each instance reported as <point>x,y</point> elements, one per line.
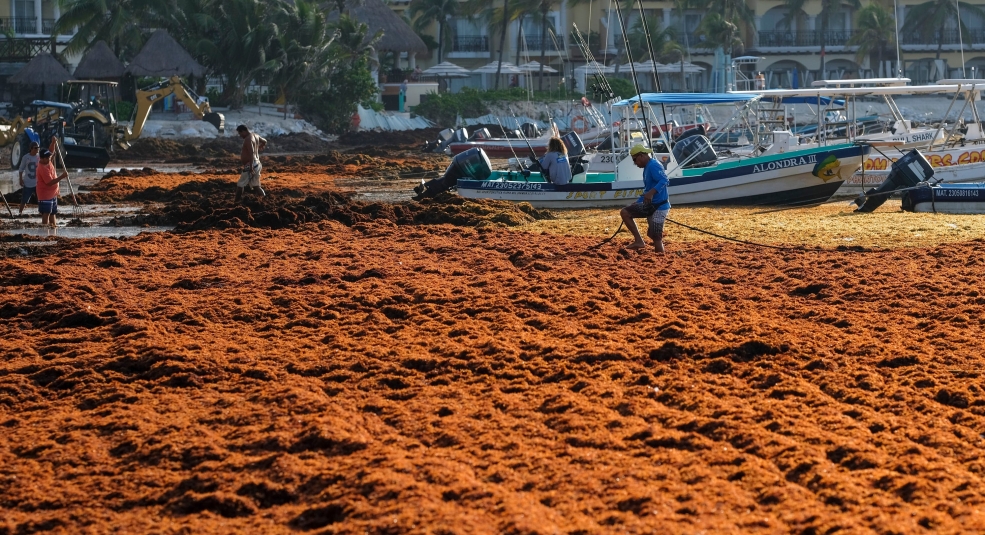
<point>654,204</point>
<point>554,164</point>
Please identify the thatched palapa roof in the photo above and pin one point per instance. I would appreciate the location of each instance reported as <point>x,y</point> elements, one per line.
<point>43,69</point>
<point>99,63</point>
<point>397,35</point>
<point>163,56</point>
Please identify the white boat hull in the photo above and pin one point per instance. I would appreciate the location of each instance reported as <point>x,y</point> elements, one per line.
<point>784,179</point>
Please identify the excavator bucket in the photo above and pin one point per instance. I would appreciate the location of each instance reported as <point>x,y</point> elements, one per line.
<point>122,136</point>
<point>85,157</point>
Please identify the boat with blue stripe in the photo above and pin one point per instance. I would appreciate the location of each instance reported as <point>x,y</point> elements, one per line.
<point>784,173</point>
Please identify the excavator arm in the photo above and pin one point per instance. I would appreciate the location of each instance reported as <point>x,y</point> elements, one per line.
<point>148,96</point>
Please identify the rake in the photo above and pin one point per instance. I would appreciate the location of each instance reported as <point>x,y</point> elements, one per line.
<point>77,211</point>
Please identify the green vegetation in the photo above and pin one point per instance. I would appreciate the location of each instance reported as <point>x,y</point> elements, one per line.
<point>310,54</point>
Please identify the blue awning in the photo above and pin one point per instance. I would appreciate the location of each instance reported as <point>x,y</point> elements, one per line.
<point>683,99</point>
<point>50,104</point>
<point>813,100</point>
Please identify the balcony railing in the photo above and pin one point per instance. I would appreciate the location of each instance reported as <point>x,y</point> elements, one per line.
<point>536,43</point>
<point>805,38</point>
<point>947,37</point>
<point>22,25</point>
<point>470,43</point>
<point>22,50</point>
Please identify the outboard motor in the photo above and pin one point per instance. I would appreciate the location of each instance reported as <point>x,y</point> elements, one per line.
<point>699,131</point>
<point>472,163</point>
<point>444,137</point>
<point>574,144</point>
<point>530,130</point>
<point>480,134</point>
<point>906,172</point>
<point>460,135</point>
<point>696,150</point>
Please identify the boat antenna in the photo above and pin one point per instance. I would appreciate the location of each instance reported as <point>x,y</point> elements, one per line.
<point>899,66</point>
<point>653,59</point>
<point>957,11</point>
<point>632,68</point>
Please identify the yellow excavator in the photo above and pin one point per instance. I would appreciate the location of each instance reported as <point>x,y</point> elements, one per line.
<point>148,96</point>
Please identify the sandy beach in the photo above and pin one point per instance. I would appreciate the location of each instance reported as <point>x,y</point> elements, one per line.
<point>335,359</point>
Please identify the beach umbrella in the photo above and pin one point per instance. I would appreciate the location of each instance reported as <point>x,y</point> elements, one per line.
<point>604,69</point>
<point>43,69</point>
<point>163,56</point>
<point>688,68</point>
<point>397,35</point>
<point>507,68</point>
<point>447,69</point>
<point>100,63</point>
<point>641,66</point>
<point>534,66</point>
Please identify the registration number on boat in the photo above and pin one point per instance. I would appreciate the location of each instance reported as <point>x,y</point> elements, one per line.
<point>512,185</point>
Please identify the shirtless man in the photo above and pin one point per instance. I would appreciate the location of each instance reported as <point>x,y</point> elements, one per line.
<point>250,158</point>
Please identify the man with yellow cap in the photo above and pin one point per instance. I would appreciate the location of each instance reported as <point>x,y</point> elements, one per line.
<point>654,204</point>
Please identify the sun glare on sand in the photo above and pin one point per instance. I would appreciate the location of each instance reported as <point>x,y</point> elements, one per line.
<point>828,225</point>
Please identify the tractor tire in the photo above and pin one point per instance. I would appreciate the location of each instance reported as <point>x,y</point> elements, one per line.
<point>217,120</point>
<point>16,151</point>
<point>94,130</point>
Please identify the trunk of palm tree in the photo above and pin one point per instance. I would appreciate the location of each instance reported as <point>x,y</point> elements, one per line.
<point>519,35</point>
<point>441,38</point>
<point>824,29</point>
<point>502,41</point>
<point>543,48</point>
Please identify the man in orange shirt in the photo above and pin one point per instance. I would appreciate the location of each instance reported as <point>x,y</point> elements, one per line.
<point>47,188</point>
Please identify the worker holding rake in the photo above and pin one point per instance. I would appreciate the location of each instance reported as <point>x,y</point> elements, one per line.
<point>47,187</point>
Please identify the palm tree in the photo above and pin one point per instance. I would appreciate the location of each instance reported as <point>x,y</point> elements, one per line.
<point>876,33</point>
<point>239,49</point>
<point>720,32</point>
<point>302,49</point>
<point>120,23</point>
<point>928,20</point>
<point>795,10</point>
<point>427,12</point>
<point>352,42</point>
<point>499,19</point>
<point>723,19</point>
<point>544,7</point>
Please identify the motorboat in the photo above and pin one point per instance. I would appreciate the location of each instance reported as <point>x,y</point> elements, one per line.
<point>519,143</point>
<point>959,158</point>
<point>913,177</point>
<point>778,173</point>
<point>956,158</point>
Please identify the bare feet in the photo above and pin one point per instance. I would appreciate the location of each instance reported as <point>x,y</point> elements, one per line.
<point>636,246</point>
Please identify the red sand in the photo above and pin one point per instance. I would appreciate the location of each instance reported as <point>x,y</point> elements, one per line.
<point>391,378</point>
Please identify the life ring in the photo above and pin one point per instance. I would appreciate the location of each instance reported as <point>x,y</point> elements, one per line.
<point>579,124</point>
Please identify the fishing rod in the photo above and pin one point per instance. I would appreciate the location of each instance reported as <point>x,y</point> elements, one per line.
<point>533,155</point>
<point>515,157</point>
<point>632,68</point>
<point>602,84</point>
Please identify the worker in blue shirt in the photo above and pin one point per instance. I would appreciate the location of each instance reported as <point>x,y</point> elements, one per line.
<point>654,204</point>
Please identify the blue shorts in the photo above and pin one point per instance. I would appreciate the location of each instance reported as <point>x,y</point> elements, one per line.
<point>48,207</point>
<point>26,194</point>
